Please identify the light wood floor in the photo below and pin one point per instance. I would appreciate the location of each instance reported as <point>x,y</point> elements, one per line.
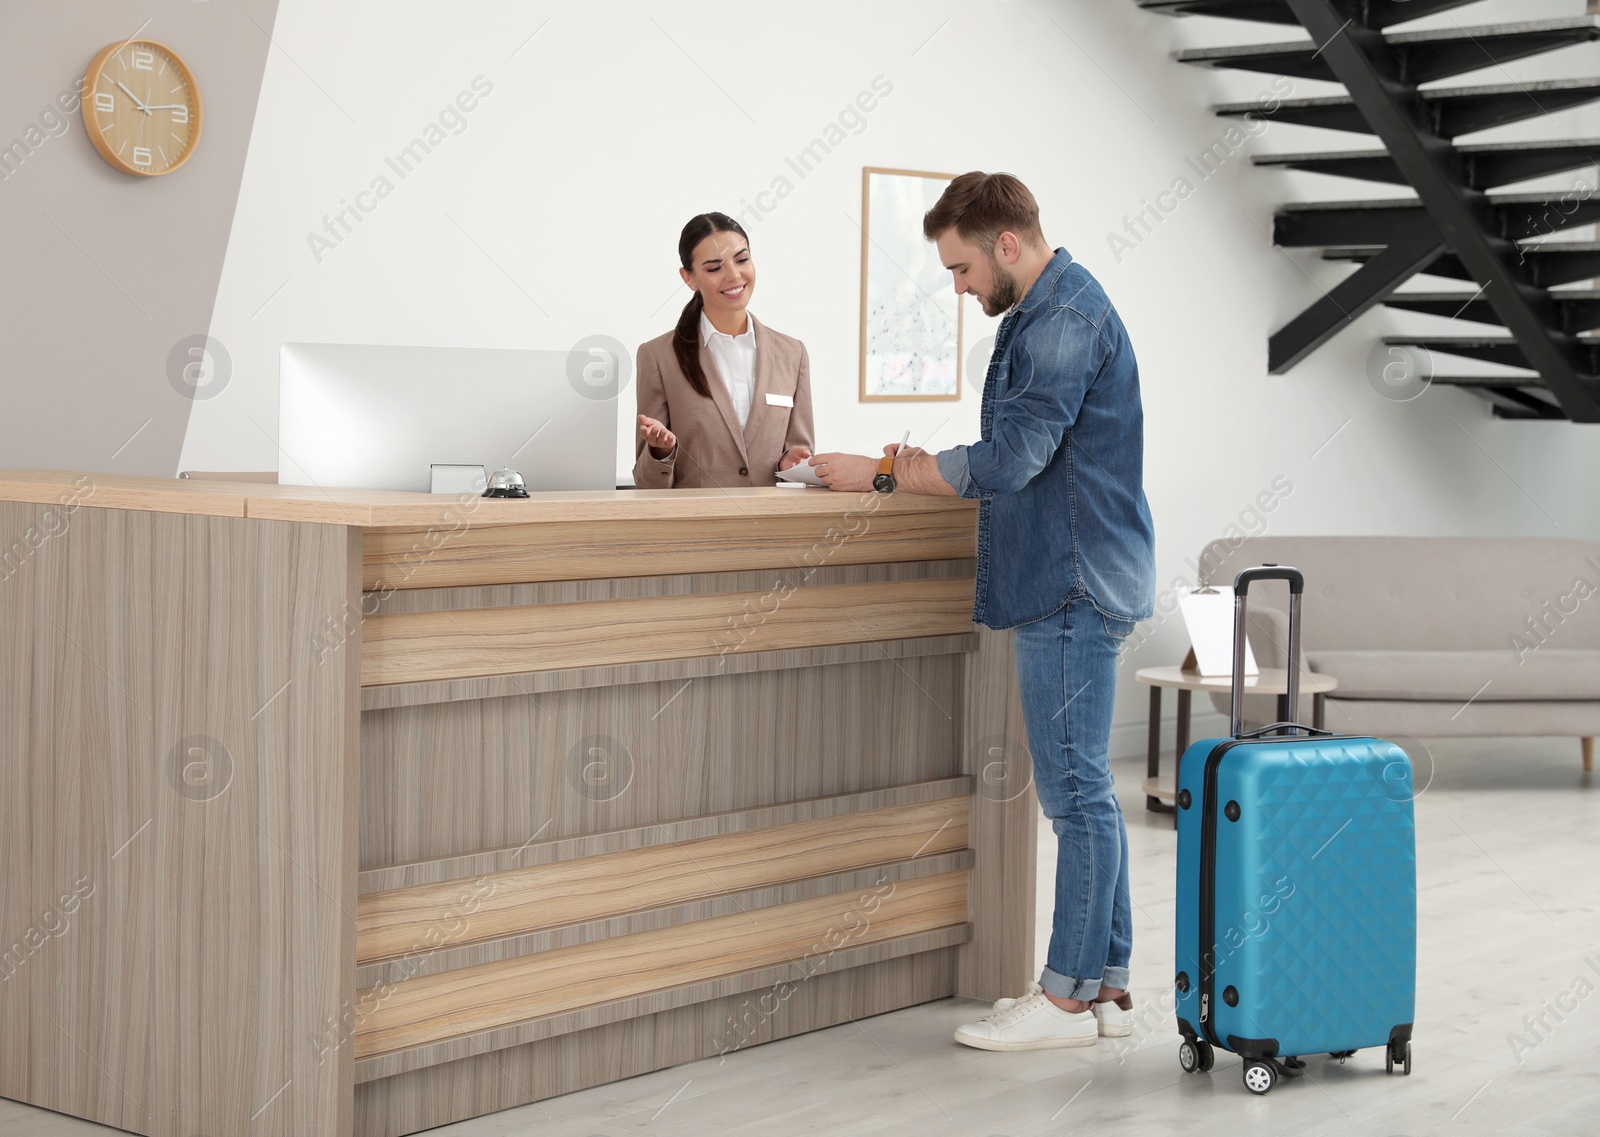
<point>1509,863</point>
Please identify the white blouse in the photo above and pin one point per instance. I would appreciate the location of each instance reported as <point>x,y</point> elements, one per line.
<point>735,357</point>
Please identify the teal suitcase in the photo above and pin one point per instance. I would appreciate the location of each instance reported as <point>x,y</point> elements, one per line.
<point>1296,895</point>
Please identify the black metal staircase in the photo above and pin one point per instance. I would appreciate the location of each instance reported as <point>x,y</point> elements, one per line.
<point>1455,227</point>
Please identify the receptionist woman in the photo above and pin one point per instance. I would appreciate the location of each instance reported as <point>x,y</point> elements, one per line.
<point>723,400</point>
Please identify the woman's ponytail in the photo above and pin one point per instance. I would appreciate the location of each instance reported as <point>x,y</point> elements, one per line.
<point>686,345</point>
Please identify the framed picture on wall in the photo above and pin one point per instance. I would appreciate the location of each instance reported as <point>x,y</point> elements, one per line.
<point>910,314</point>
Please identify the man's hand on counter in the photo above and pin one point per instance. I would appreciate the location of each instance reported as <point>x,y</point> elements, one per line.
<point>915,471</point>
<point>845,472</point>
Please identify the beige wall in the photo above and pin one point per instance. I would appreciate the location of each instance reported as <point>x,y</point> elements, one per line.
<point>106,273</point>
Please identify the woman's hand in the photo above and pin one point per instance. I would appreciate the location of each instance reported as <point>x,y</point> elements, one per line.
<point>662,441</point>
<point>794,456</point>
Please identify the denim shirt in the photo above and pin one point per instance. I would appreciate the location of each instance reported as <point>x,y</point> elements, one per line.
<point>1059,475</point>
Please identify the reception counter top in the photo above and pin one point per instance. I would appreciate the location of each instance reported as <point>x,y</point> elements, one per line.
<point>369,509</point>
<point>335,812</point>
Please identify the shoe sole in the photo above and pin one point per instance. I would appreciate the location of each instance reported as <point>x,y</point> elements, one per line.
<point>1105,1031</point>
<point>1030,1044</point>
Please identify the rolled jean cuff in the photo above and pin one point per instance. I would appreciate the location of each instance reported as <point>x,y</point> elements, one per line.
<point>1115,978</point>
<point>1065,987</point>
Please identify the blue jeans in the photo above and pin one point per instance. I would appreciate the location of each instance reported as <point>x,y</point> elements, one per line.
<point>1067,670</point>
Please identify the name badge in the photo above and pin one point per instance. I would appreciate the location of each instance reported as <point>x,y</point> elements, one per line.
<point>779,400</point>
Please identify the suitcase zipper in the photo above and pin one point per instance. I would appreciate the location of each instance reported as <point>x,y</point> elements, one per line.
<point>1208,872</point>
<point>1208,889</point>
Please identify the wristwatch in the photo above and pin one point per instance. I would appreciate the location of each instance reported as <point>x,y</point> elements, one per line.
<point>884,482</point>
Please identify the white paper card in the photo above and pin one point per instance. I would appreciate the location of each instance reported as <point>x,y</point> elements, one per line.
<point>779,400</point>
<point>803,473</point>
<point>457,479</point>
<point>1209,618</point>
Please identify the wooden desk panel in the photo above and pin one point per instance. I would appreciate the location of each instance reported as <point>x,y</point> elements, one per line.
<point>412,558</point>
<point>460,778</point>
<point>476,999</point>
<point>699,1021</point>
<point>416,647</point>
<point>521,900</point>
<point>171,749</point>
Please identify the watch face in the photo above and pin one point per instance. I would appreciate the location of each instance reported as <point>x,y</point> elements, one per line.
<point>141,108</point>
<point>883,483</point>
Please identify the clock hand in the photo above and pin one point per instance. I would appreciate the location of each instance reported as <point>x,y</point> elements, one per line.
<point>167,107</point>
<point>134,97</point>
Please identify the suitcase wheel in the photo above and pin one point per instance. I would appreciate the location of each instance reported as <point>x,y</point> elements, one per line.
<point>1195,1055</point>
<point>1259,1077</point>
<point>1400,1057</point>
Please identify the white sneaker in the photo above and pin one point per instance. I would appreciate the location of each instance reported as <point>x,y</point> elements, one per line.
<point>1114,1021</point>
<point>1032,1023</point>
<point>1033,989</point>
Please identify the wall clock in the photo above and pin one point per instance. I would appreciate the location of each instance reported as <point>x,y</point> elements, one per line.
<point>141,107</point>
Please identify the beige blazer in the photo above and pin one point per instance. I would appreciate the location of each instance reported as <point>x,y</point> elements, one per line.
<point>712,451</point>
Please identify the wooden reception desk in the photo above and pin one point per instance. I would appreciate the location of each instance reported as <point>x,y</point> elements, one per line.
<point>354,812</point>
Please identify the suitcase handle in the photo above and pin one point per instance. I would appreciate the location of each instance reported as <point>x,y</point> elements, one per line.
<point>1241,587</point>
<point>1296,579</point>
<point>1266,731</point>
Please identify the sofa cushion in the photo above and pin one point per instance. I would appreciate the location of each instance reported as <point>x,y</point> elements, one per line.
<point>1546,673</point>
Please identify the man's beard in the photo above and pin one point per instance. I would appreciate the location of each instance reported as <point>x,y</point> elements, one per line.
<point>1003,293</point>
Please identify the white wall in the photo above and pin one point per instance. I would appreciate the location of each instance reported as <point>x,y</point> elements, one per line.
<point>554,216</point>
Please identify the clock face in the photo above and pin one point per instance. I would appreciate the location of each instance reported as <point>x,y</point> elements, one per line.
<point>141,108</point>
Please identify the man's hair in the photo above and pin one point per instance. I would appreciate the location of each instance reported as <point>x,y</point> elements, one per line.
<point>981,206</point>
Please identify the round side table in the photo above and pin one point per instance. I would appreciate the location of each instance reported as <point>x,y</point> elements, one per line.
<point>1159,792</point>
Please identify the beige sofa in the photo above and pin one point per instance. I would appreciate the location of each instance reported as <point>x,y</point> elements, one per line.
<point>1434,637</point>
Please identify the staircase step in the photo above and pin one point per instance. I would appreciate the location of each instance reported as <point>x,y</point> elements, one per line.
<point>1261,11</point>
<point>1483,167</point>
<point>1422,56</point>
<point>1531,382</point>
<point>1366,165</point>
<point>1429,56</point>
<point>1580,310</point>
<point>1337,112</point>
<point>1300,59</point>
<point>1466,110</point>
<point>1553,263</point>
<point>1501,350</point>
<point>1380,13</point>
<point>1456,111</point>
<point>1327,224</point>
<point>1511,396</point>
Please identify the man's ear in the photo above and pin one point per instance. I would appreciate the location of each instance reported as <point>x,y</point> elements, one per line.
<point>1009,247</point>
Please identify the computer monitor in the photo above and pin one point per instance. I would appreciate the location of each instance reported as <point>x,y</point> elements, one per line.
<point>378,417</point>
